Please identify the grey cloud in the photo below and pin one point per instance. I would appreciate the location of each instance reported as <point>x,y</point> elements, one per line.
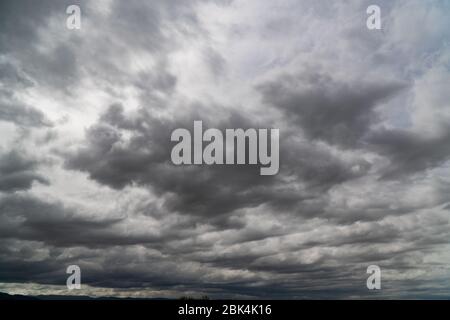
<point>143,21</point>
<point>145,160</point>
<point>326,109</point>
<point>9,74</point>
<point>59,225</point>
<point>22,115</point>
<point>21,19</point>
<point>318,165</point>
<point>18,172</point>
<point>132,25</point>
<point>11,108</point>
<point>43,221</point>
<point>410,152</point>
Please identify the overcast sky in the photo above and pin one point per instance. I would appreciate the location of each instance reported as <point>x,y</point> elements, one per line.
<point>85,170</point>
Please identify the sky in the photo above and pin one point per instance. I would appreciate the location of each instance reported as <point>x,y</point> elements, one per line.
<point>86,176</point>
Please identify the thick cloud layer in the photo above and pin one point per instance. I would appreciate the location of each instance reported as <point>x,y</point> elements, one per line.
<point>86,176</point>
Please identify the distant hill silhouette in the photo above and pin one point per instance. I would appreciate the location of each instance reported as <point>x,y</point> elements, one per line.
<point>6,296</point>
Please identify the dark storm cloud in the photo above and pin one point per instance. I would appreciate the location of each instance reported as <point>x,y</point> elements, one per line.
<point>22,115</point>
<point>326,109</point>
<point>145,160</point>
<point>29,218</point>
<point>317,165</point>
<point>21,23</point>
<point>116,161</point>
<point>21,19</point>
<point>18,172</point>
<point>121,270</point>
<point>18,270</point>
<point>11,108</point>
<point>43,221</point>
<point>410,152</point>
